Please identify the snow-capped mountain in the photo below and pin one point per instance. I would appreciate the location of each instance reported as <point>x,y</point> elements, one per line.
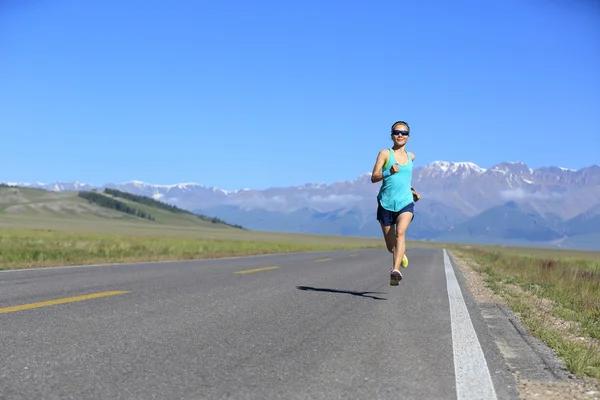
<point>452,194</point>
<point>442,169</point>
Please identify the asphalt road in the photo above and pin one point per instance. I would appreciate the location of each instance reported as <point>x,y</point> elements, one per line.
<point>297,326</point>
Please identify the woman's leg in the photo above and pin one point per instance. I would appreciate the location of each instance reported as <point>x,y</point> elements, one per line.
<point>402,224</point>
<point>389,235</point>
<point>386,221</point>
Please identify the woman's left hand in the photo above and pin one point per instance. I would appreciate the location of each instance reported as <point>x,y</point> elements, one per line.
<point>416,196</point>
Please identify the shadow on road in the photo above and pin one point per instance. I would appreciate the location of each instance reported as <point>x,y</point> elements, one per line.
<point>352,292</point>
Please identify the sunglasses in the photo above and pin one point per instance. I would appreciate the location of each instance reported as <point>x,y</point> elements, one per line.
<point>403,133</point>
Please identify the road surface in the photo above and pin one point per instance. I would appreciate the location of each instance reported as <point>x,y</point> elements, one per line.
<point>321,325</point>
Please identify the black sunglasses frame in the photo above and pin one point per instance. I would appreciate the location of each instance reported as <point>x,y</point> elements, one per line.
<point>403,133</point>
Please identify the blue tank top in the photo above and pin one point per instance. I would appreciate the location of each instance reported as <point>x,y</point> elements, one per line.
<point>395,193</point>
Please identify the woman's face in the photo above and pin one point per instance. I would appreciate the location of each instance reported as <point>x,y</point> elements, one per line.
<point>400,135</point>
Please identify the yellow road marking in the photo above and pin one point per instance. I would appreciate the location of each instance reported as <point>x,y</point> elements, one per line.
<point>59,301</point>
<point>250,271</point>
<point>353,255</point>
<point>323,260</point>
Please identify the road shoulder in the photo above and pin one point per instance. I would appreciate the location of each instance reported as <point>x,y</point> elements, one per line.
<point>520,363</point>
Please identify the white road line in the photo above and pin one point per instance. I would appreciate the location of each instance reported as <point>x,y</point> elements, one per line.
<point>473,379</point>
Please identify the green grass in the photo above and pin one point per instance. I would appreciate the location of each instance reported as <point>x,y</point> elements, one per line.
<point>536,252</point>
<point>25,249</point>
<point>568,280</point>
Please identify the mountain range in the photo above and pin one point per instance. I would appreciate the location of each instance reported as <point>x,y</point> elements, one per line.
<point>507,204</point>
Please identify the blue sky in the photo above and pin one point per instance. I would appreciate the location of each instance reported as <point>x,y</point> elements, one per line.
<point>269,93</point>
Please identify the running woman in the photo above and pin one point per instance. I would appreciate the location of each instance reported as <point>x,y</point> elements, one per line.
<point>396,197</point>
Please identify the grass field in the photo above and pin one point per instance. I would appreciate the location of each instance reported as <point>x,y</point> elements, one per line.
<point>48,241</point>
<point>555,293</point>
<point>26,249</point>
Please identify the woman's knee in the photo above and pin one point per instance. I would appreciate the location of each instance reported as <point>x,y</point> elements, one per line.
<point>402,226</point>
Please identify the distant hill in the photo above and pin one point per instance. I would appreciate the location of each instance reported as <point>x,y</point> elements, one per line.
<point>506,222</point>
<point>153,203</point>
<point>89,205</point>
<point>350,222</point>
<point>585,223</point>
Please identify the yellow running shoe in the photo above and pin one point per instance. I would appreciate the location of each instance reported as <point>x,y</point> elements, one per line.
<point>404,261</point>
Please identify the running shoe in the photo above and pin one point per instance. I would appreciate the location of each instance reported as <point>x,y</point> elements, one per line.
<point>395,277</point>
<point>404,261</point>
